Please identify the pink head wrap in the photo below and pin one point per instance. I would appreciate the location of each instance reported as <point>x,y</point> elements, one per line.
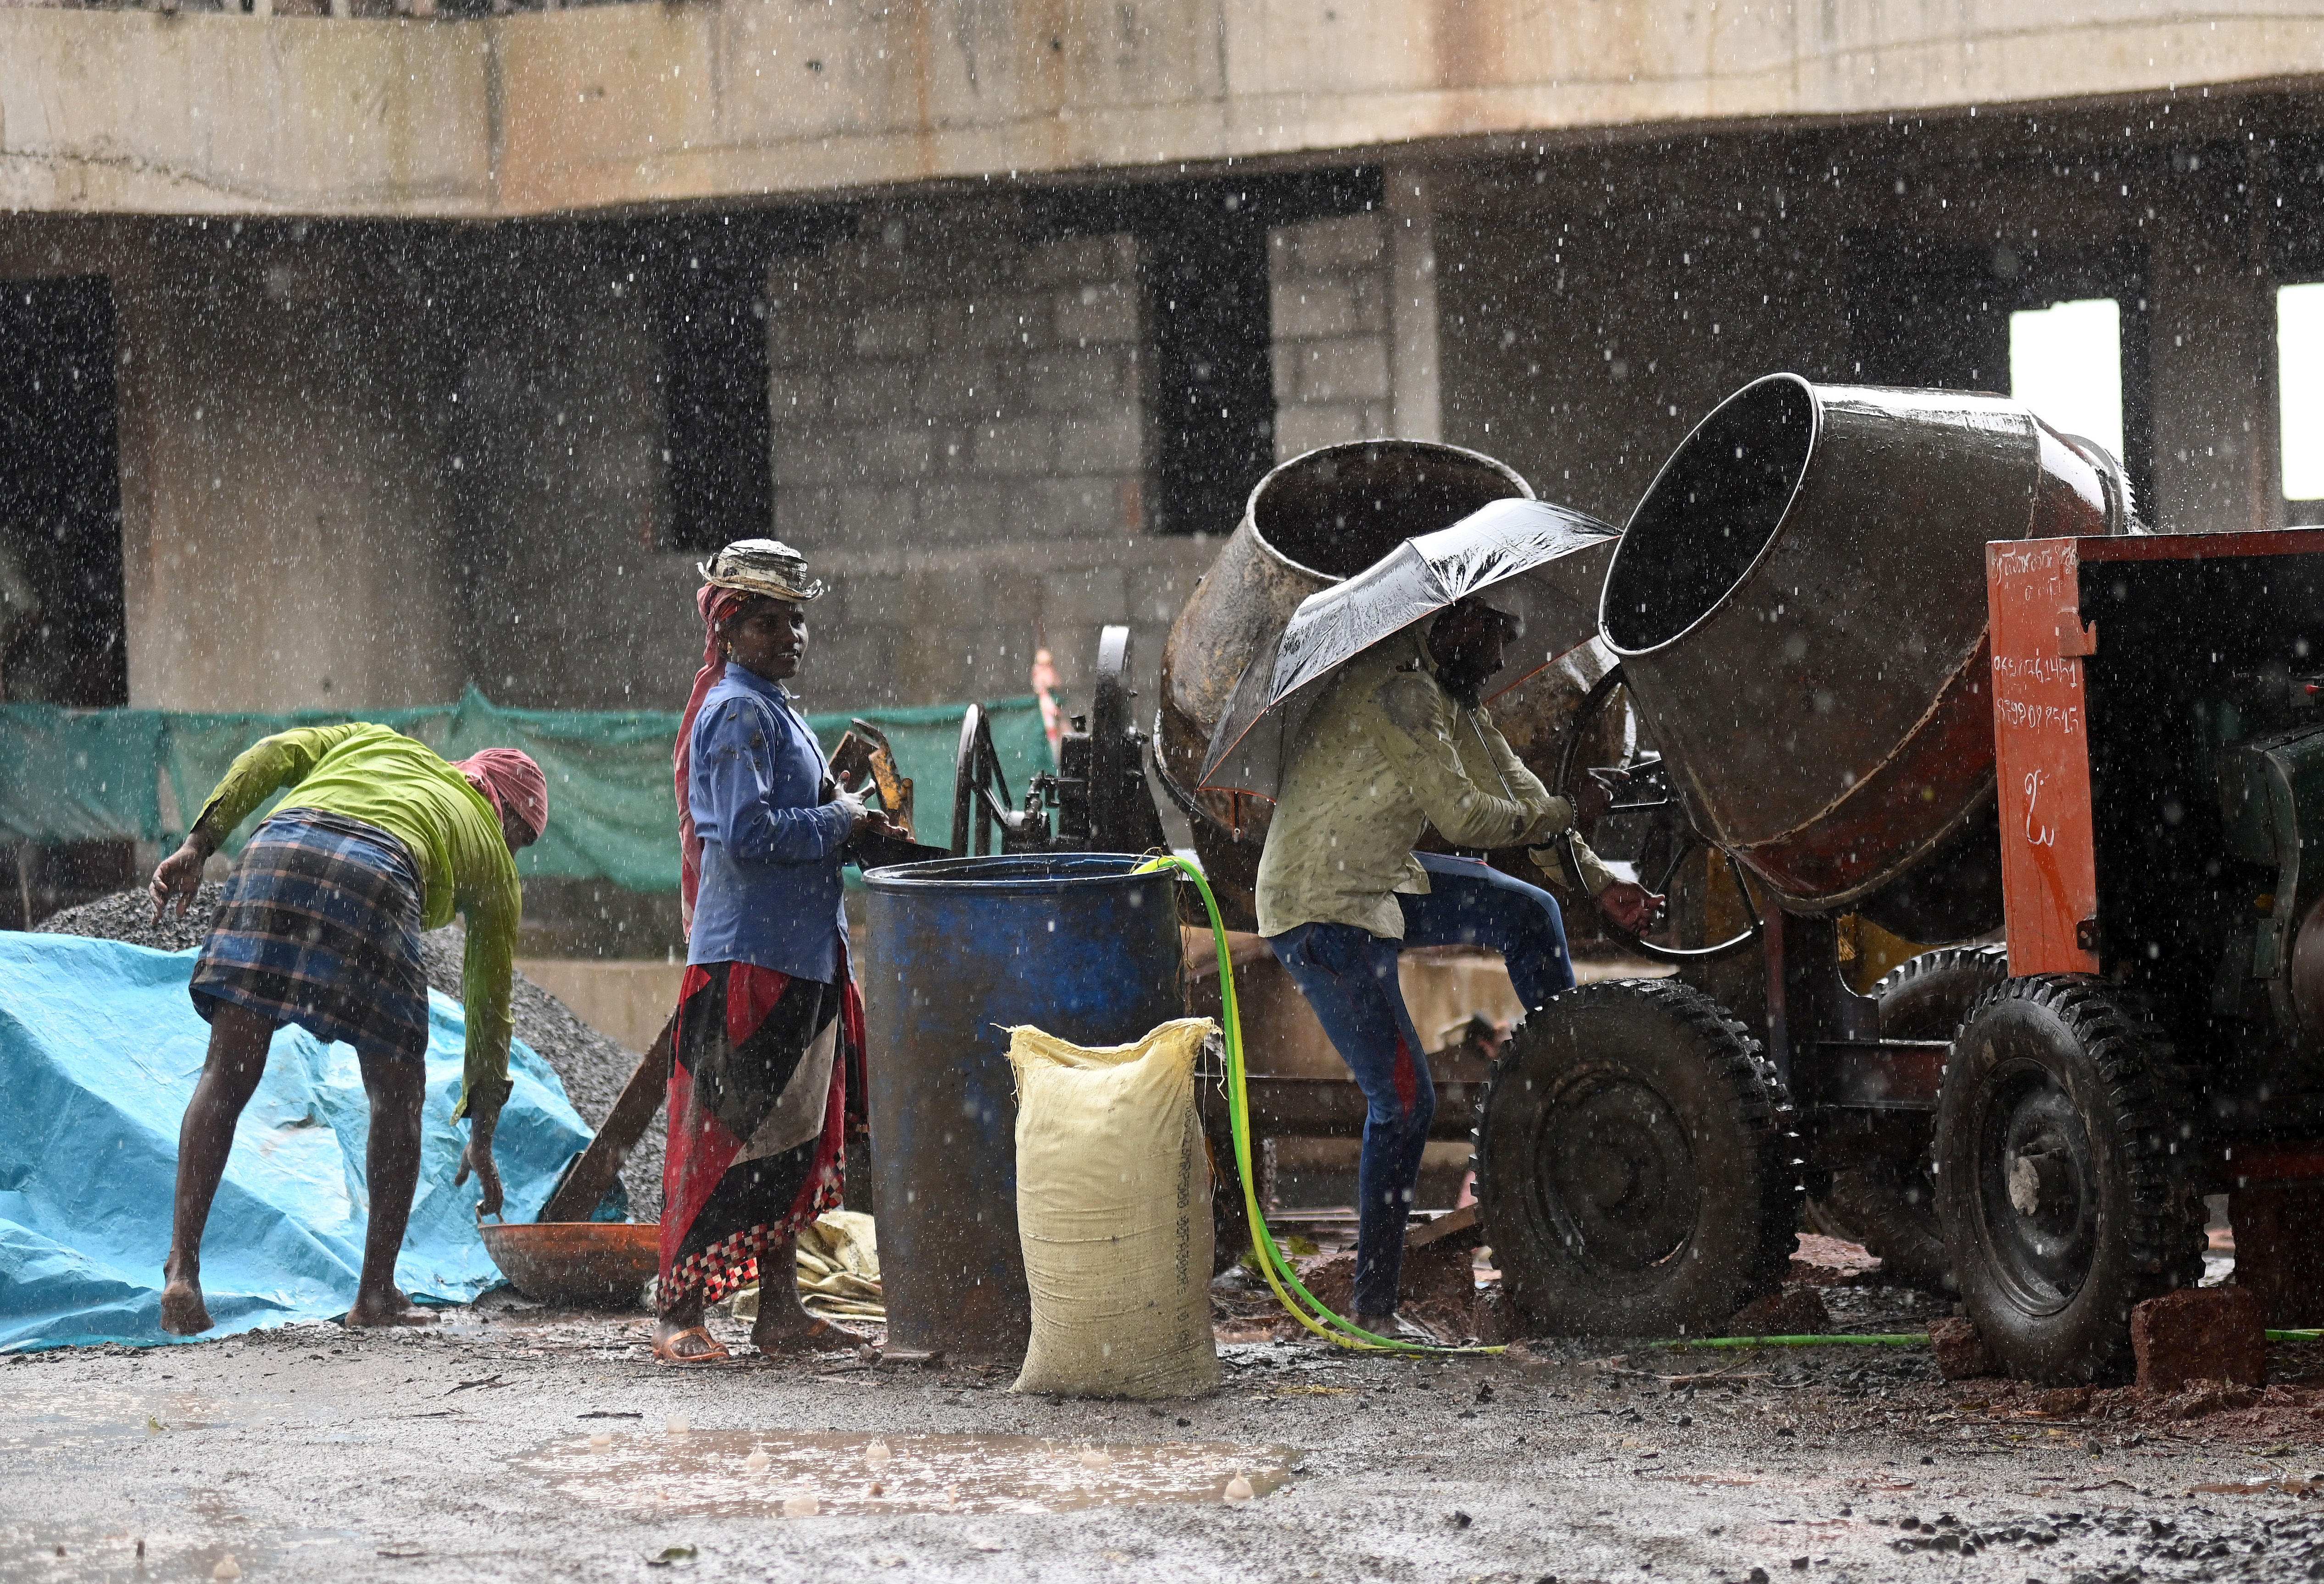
<point>718,605</point>
<point>512,783</point>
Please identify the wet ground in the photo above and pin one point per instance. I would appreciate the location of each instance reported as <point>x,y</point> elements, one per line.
<point>464,1451</point>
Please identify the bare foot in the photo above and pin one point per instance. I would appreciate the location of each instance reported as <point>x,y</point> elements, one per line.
<point>393,1309</point>
<point>683,1341</point>
<point>183,1312</point>
<point>796,1331</point>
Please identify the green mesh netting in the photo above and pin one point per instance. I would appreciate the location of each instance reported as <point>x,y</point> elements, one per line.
<point>95,775</point>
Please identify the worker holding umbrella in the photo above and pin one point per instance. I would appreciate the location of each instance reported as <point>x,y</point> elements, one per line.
<point>1367,725</point>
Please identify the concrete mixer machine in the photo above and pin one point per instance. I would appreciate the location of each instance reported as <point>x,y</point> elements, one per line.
<point>1328,515</point>
<point>1907,658</point>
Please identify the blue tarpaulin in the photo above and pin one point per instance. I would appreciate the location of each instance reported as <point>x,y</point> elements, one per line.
<point>99,1049</point>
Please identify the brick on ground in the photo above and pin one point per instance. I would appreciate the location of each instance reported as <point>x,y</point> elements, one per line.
<point>2199,1333</point>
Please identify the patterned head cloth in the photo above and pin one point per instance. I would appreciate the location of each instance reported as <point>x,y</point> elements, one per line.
<point>512,783</point>
<point>761,566</point>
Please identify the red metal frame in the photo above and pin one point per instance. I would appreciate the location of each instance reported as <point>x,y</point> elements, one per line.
<point>2049,867</point>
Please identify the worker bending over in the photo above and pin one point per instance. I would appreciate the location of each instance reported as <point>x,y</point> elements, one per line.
<point>319,925</point>
<point>1397,742</point>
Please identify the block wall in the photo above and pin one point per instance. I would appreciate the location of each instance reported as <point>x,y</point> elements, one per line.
<point>1330,285</point>
<point>945,381</point>
<point>960,448</point>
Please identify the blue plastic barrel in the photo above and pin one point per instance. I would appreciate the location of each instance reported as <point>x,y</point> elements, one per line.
<point>959,950</point>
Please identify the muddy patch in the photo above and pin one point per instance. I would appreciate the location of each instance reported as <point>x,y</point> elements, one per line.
<point>800,1473</point>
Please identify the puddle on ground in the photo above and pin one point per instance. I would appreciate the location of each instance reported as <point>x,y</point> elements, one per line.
<point>2260,1487</point>
<point>713,1473</point>
<point>53,1420</point>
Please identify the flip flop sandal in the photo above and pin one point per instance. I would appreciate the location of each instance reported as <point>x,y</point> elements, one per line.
<point>662,1345</point>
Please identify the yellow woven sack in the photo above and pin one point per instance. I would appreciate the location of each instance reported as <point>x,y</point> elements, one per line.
<point>1114,1208</point>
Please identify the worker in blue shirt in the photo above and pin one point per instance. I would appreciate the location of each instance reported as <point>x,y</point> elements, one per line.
<point>768,1017</point>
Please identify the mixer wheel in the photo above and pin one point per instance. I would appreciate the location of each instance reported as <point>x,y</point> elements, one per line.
<point>2066,1173</point>
<point>1637,1173</point>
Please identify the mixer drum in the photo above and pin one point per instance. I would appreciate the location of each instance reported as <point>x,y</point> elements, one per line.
<point>1316,519</point>
<point>1799,607</point>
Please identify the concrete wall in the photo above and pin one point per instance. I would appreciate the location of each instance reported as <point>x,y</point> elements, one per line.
<point>1590,319</point>
<point>363,466</point>
<point>1334,350</point>
<point>615,107</point>
<point>959,446</point>
<point>553,466</point>
<point>1595,304</point>
<point>944,380</point>
<point>283,521</point>
<point>2215,457</point>
<point>1353,312</point>
<point>365,469</point>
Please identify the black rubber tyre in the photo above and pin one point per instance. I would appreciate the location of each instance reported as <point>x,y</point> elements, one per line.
<point>2066,1182</point>
<point>1637,1175</point>
<point>1889,1204</point>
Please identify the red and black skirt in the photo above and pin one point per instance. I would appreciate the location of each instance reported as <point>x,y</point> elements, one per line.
<point>757,1118</point>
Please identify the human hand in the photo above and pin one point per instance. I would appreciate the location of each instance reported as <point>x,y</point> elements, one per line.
<point>179,875</point>
<point>1594,795</point>
<point>878,821</point>
<point>1630,906</point>
<point>477,1157</point>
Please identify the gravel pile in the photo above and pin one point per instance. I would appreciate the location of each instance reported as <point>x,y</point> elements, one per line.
<point>128,915</point>
<point>592,1067</point>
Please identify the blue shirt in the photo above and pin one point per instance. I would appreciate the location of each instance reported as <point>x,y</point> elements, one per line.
<point>771,883</point>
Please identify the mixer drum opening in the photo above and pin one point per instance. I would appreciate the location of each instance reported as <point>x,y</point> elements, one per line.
<point>1337,511</point>
<point>1739,470</point>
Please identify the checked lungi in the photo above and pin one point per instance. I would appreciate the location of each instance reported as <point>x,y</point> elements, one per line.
<point>319,927</point>
<point>757,1104</point>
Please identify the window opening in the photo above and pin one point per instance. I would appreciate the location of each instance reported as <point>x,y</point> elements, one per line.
<point>2065,363</point>
<point>2299,397</point>
<point>721,465</point>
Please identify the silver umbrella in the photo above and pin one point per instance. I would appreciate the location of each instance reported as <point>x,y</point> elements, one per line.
<point>1544,563</point>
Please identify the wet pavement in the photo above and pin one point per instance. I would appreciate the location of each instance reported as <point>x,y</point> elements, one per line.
<point>462,1451</point>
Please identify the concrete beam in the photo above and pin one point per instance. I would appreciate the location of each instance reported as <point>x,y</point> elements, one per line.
<point>615,107</point>
<point>2212,335</point>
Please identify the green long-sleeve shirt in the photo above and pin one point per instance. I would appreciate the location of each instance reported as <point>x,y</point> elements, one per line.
<point>1388,753</point>
<point>386,780</point>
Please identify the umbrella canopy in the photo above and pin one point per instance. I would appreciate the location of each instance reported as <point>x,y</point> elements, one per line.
<point>1543,563</point>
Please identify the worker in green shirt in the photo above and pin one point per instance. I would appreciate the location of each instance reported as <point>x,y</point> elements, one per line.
<point>378,840</point>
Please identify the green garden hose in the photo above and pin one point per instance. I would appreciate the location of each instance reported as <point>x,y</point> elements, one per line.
<point>1272,1264</point>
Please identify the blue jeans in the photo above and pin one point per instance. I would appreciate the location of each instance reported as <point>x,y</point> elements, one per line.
<point>1349,978</point>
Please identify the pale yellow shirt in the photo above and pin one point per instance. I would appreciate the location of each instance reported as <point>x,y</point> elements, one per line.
<point>1386,753</point>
